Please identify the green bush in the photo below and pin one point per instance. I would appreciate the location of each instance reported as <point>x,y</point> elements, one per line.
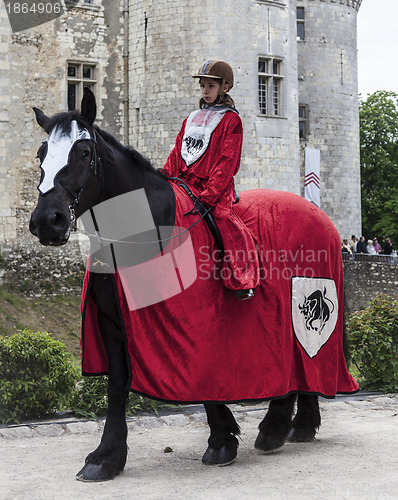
<point>37,376</point>
<point>373,342</point>
<point>91,400</point>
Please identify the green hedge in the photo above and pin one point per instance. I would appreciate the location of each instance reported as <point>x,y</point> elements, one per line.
<point>37,376</point>
<point>373,343</point>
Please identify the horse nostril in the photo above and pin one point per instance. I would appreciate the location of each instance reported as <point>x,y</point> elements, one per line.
<point>33,227</point>
<point>56,220</point>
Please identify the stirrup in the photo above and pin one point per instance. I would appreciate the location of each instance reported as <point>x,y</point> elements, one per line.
<point>244,294</point>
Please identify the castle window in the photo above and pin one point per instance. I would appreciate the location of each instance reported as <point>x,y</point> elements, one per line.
<point>270,86</point>
<point>303,121</point>
<point>79,75</point>
<point>300,23</point>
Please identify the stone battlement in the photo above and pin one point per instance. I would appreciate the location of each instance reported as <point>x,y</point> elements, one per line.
<point>350,3</point>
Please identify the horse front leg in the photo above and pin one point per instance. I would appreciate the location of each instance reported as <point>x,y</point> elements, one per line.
<point>307,420</point>
<point>275,427</point>
<point>223,445</point>
<point>109,458</point>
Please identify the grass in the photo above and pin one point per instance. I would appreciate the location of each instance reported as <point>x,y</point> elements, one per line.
<point>58,314</point>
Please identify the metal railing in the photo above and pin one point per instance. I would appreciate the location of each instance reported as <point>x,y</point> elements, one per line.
<point>364,257</point>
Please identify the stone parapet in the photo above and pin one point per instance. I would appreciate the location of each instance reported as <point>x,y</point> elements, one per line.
<point>355,4</point>
<point>364,281</point>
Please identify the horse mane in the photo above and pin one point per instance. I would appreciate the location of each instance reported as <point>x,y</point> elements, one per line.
<point>131,153</point>
<point>64,122</point>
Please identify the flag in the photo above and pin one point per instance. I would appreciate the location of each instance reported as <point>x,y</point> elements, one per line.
<point>312,176</point>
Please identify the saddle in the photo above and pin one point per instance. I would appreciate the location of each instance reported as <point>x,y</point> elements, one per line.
<point>205,212</point>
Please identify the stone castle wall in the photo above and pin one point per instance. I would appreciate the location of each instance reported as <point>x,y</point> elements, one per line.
<point>8,185</point>
<point>271,148</point>
<point>364,281</point>
<point>320,71</point>
<point>34,65</point>
<point>328,85</point>
<point>162,92</point>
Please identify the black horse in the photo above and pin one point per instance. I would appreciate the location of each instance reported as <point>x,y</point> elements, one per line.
<point>100,168</point>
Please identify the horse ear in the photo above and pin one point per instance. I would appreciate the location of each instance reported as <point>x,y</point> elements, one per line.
<point>89,106</point>
<point>41,118</point>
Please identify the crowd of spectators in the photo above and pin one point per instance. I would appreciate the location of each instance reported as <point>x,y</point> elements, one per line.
<point>371,247</point>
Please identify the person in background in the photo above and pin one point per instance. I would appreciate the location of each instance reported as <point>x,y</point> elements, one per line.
<point>361,245</point>
<point>387,247</point>
<point>353,241</point>
<point>345,247</point>
<point>370,248</point>
<point>376,245</point>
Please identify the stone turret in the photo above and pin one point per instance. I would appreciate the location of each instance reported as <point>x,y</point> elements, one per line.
<point>171,39</point>
<point>275,73</point>
<point>328,87</point>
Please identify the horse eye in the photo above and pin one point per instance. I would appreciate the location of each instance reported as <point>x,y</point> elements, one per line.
<point>85,154</point>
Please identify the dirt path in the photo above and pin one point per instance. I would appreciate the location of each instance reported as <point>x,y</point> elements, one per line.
<point>355,456</point>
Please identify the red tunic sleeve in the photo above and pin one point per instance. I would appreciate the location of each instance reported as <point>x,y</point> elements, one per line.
<point>226,164</point>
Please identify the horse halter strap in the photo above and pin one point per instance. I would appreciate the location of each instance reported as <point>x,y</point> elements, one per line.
<point>96,168</point>
<point>57,158</point>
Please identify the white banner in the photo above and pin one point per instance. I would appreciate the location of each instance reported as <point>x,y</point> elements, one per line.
<point>312,176</point>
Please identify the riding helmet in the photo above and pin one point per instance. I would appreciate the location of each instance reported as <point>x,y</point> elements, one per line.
<point>217,69</point>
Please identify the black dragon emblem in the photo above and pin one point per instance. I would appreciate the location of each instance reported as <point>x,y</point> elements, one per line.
<point>316,308</point>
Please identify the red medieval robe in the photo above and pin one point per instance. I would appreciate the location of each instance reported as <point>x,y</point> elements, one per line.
<point>207,156</point>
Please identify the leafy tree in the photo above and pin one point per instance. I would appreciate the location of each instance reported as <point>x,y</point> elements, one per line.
<point>378,117</point>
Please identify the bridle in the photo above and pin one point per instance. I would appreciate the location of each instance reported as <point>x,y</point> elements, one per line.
<point>96,168</point>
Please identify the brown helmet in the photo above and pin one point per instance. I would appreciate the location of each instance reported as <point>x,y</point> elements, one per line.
<point>217,69</point>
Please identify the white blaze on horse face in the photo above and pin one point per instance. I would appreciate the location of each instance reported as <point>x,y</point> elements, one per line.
<point>59,146</point>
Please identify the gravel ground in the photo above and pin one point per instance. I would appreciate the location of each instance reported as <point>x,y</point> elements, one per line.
<point>354,456</point>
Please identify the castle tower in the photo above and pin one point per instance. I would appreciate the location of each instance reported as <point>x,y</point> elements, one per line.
<point>276,75</point>
<point>328,93</point>
<point>169,40</point>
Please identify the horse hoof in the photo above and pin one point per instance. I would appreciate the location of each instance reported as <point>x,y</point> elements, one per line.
<point>222,457</point>
<point>303,435</point>
<point>92,473</point>
<point>269,442</point>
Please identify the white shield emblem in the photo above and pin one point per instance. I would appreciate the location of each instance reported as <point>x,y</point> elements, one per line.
<point>198,130</point>
<point>314,312</point>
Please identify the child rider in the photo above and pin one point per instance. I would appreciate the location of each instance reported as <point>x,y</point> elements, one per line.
<point>206,156</point>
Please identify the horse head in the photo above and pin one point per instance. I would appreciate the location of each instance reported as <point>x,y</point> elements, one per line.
<point>70,165</point>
